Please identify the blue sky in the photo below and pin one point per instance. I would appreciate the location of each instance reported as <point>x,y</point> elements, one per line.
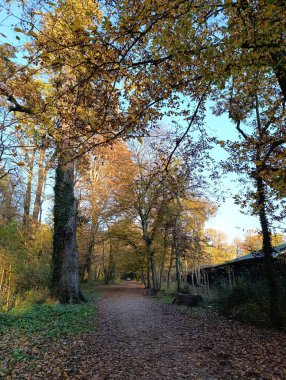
<point>229,218</point>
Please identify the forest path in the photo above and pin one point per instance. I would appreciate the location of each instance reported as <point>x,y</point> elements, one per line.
<point>137,337</point>
<point>140,338</point>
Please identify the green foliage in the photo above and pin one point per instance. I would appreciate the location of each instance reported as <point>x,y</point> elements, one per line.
<point>32,297</point>
<point>165,297</point>
<point>50,320</point>
<point>10,238</point>
<point>18,355</point>
<point>24,265</point>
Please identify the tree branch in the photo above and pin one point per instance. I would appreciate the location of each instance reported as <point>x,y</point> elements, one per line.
<point>178,142</point>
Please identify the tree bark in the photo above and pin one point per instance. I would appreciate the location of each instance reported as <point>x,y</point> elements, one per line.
<point>170,266</point>
<point>165,247</point>
<point>177,255</point>
<point>110,273</point>
<point>42,173</point>
<point>151,256</point>
<point>267,250</point>
<point>65,275</point>
<point>87,266</point>
<point>148,280</point>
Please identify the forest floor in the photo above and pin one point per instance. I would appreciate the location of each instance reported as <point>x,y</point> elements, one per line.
<point>140,338</point>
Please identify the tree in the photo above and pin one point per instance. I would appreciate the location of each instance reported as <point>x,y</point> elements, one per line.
<point>106,76</point>
<point>104,186</point>
<point>72,104</point>
<point>262,140</point>
<point>217,247</point>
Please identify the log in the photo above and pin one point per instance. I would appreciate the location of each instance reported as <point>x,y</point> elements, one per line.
<point>192,300</point>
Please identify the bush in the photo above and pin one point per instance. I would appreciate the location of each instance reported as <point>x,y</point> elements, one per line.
<point>24,267</point>
<point>249,302</point>
<point>32,297</point>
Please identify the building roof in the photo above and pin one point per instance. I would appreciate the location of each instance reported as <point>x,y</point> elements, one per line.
<point>277,251</point>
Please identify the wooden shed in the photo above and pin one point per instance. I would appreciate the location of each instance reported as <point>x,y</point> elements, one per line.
<point>250,265</point>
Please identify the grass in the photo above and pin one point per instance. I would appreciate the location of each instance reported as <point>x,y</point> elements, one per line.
<point>51,320</point>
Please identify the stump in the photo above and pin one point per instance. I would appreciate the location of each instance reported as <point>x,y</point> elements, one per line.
<point>191,300</point>
<point>152,292</point>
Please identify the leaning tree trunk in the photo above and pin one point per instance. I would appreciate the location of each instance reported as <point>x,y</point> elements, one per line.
<point>65,276</point>
<point>267,250</point>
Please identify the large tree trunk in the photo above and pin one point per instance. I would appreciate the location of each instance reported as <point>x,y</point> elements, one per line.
<point>268,249</point>
<point>65,276</point>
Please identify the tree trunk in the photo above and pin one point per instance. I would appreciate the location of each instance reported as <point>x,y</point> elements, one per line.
<point>170,267</point>
<point>148,279</point>
<point>268,249</point>
<point>110,273</point>
<point>151,256</point>
<point>87,266</point>
<point>42,172</point>
<point>65,275</point>
<point>27,201</point>
<point>177,255</point>
<point>165,247</point>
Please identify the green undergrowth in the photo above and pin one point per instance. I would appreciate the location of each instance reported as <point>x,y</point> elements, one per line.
<point>53,319</point>
<point>164,297</point>
<point>249,302</point>
<point>244,301</point>
<point>167,295</point>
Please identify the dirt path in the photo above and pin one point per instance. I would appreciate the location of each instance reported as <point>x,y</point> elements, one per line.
<point>139,338</point>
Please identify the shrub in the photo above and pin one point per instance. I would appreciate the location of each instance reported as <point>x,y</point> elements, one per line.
<point>24,267</point>
<point>249,302</point>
